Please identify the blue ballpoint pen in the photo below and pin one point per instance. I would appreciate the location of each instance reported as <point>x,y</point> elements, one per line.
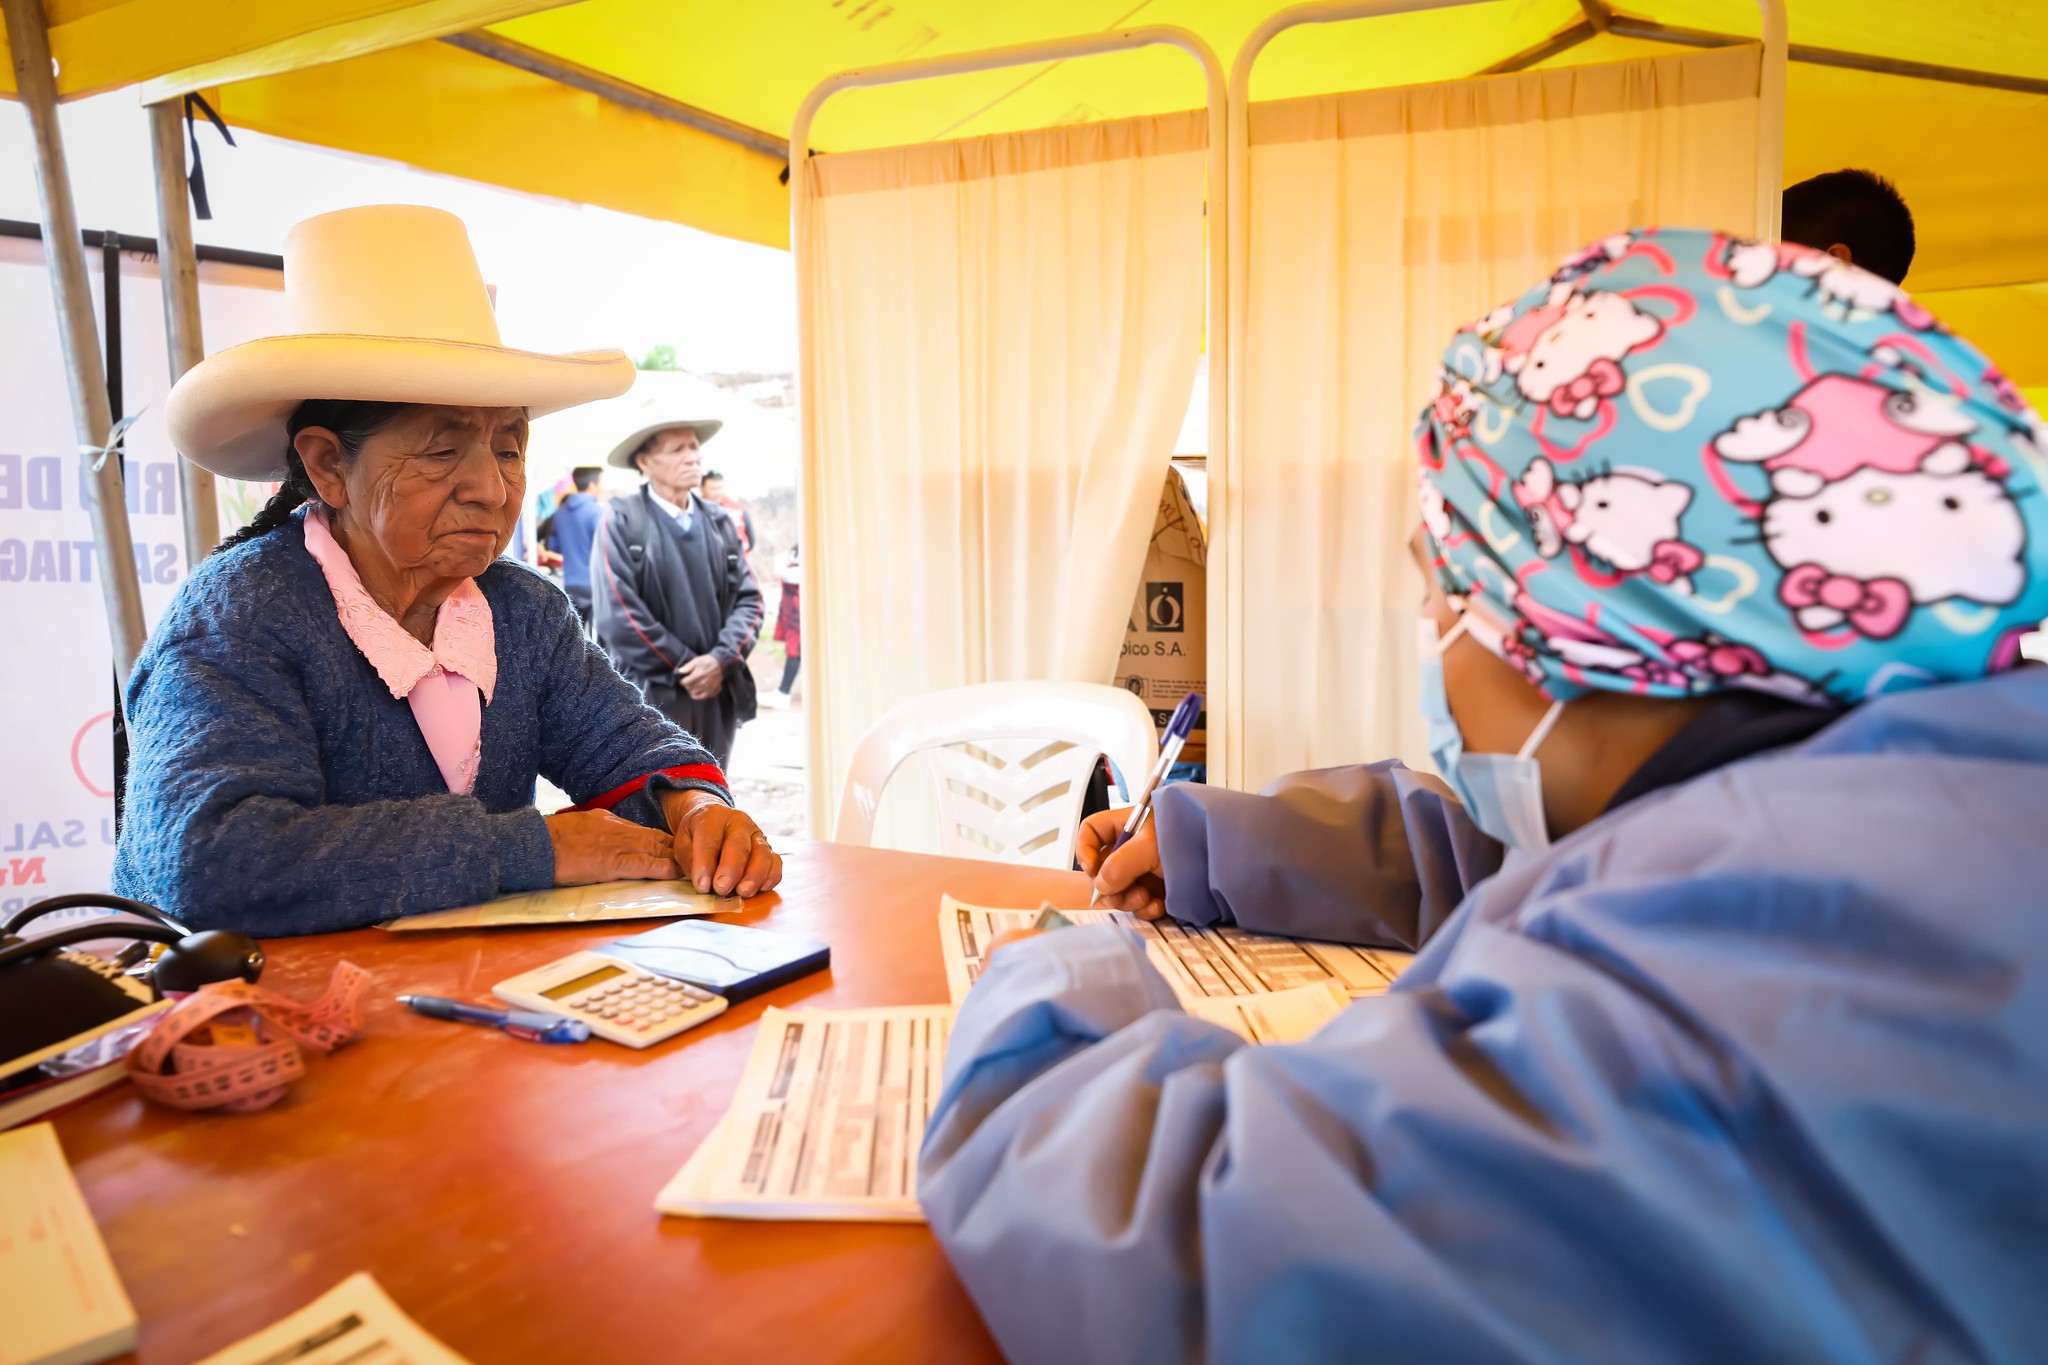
<point>1170,744</point>
<point>529,1026</point>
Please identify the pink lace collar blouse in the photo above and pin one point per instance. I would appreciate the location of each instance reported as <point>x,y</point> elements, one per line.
<point>449,685</point>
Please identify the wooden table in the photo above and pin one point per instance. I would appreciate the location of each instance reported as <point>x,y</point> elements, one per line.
<point>502,1192</point>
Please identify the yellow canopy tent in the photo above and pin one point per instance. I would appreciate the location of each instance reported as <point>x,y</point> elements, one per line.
<point>679,110</point>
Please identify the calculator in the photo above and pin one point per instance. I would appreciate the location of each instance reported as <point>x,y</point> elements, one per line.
<point>621,1002</point>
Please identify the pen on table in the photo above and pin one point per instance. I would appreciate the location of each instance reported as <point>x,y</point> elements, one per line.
<point>528,1026</point>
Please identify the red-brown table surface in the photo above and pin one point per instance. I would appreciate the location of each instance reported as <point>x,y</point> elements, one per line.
<point>502,1192</point>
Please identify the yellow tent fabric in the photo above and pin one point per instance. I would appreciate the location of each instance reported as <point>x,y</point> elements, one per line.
<point>1967,159</point>
<point>101,45</point>
<point>443,109</point>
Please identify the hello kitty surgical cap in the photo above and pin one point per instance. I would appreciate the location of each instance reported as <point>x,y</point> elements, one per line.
<point>1688,462</point>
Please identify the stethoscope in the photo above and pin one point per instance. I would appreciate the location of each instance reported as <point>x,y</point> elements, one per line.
<point>189,960</point>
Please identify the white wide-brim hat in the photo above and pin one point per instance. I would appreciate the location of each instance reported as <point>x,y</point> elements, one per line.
<point>386,304</point>
<point>623,453</point>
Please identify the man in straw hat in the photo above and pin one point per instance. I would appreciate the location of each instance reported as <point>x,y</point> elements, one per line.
<point>342,715</point>
<point>673,600</point>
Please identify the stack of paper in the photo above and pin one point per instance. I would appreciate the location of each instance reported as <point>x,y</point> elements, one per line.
<point>354,1323</point>
<point>827,1122</point>
<point>1274,1016</point>
<point>60,1301</point>
<point>1200,964</point>
<point>833,1105</point>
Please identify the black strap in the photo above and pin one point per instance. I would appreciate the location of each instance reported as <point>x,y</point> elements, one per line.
<point>729,555</point>
<point>195,179</point>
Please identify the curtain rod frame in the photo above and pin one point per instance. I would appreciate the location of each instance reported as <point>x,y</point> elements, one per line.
<point>821,801</point>
<point>1227,753</point>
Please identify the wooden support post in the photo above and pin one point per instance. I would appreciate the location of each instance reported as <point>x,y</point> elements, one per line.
<point>178,263</point>
<point>35,83</point>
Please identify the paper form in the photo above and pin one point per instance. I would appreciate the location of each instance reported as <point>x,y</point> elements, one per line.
<point>1199,963</point>
<point>60,1300</point>
<point>354,1323</point>
<point>827,1122</point>
<point>1274,1016</point>
<point>576,905</point>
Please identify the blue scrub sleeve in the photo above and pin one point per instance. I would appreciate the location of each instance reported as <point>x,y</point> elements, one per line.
<point>1375,854</point>
<point>1537,1163</point>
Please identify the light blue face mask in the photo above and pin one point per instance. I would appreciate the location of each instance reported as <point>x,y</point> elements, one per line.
<point>1503,793</point>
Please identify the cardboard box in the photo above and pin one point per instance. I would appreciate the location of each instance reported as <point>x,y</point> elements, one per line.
<point>1166,646</point>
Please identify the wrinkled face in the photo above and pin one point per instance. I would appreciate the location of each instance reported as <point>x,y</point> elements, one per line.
<point>437,488</point>
<point>671,462</point>
<point>1954,536</point>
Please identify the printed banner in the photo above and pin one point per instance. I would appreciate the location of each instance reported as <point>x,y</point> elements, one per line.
<point>57,695</point>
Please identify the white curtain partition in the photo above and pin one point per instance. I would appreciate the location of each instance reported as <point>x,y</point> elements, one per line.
<point>1379,223</point>
<point>1002,339</point>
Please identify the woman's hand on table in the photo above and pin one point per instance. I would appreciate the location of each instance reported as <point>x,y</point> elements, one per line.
<point>718,848</point>
<point>597,846</point>
<point>1129,879</point>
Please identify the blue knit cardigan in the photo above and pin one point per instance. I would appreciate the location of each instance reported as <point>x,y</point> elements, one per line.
<point>276,786</point>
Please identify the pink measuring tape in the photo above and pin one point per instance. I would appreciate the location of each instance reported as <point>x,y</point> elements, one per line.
<point>244,1065</point>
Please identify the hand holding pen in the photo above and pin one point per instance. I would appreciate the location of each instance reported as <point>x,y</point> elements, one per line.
<point>1120,849</point>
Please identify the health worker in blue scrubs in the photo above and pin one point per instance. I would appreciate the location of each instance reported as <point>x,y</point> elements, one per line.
<point>1728,549</point>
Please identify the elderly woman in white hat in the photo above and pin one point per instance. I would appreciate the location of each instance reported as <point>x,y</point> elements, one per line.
<point>342,714</point>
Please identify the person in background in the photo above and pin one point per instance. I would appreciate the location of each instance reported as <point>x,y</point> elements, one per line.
<point>713,490</point>
<point>789,628</point>
<point>1743,1052</point>
<point>572,530</point>
<point>1854,216</point>
<point>676,606</point>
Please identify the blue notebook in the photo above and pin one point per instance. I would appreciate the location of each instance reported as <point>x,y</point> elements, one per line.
<point>727,959</point>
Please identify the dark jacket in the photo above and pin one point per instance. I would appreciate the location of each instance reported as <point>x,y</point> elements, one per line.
<point>571,531</point>
<point>660,598</point>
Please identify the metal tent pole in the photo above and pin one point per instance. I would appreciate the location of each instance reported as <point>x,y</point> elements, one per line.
<point>35,83</point>
<point>484,43</point>
<point>178,262</point>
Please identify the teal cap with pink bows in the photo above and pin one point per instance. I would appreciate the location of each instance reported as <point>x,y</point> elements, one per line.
<point>1688,462</point>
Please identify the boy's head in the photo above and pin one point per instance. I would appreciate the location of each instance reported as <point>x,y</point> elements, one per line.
<point>1856,215</point>
<point>585,477</point>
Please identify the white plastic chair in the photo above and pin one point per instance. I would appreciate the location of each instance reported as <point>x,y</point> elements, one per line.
<point>1010,761</point>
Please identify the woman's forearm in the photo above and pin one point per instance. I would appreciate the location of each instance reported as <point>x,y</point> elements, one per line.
<point>1374,854</point>
<point>271,866</point>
